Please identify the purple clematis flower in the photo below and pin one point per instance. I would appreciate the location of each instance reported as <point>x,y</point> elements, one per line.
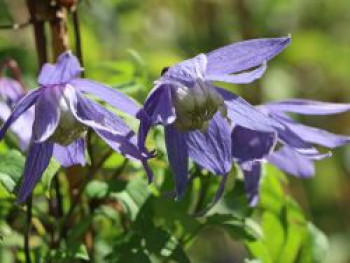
<point>296,154</point>
<point>63,115</point>
<point>11,91</point>
<point>197,116</point>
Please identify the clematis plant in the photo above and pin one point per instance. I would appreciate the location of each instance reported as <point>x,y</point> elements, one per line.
<point>197,116</point>
<point>11,91</point>
<point>296,153</point>
<point>62,117</point>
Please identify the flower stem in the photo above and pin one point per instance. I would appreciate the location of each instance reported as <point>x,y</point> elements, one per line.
<point>77,37</point>
<point>27,230</point>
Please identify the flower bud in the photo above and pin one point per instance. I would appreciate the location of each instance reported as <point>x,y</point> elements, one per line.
<point>196,106</point>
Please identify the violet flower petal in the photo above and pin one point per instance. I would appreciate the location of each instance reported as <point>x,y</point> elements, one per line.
<point>252,173</point>
<point>186,72</point>
<point>242,78</point>
<point>38,158</point>
<point>248,145</point>
<point>66,69</point>
<point>292,162</point>
<point>176,144</point>
<point>22,106</point>
<point>212,149</point>
<point>159,105</point>
<point>243,114</point>
<point>315,135</point>
<point>113,97</point>
<point>47,113</point>
<point>244,55</point>
<point>72,154</point>
<point>307,107</point>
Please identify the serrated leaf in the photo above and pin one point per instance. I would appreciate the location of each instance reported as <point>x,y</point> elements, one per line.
<point>49,174</point>
<point>11,167</point>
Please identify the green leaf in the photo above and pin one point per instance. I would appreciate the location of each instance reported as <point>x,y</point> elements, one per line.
<point>258,250</point>
<point>315,247</point>
<point>296,231</point>
<point>49,174</point>
<point>134,196</point>
<point>11,167</point>
<point>273,234</point>
<point>96,189</point>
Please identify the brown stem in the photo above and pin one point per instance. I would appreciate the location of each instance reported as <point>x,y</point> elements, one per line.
<point>59,34</point>
<point>39,33</point>
<point>15,26</point>
<point>77,36</point>
<point>12,65</point>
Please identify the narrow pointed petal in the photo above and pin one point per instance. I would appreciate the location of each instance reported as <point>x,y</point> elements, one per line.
<point>243,114</point>
<point>159,105</point>
<point>144,128</point>
<point>47,113</point>
<point>244,55</point>
<point>252,174</point>
<point>176,144</point>
<point>66,69</point>
<point>212,149</point>
<point>307,107</point>
<point>242,78</point>
<point>38,158</point>
<point>248,145</point>
<point>292,162</point>
<point>72,154</point>
<point>315,135</point>
<point>113,97</point>
<point>22,106</point>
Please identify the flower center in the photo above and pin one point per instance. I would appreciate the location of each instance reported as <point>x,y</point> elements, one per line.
<point>68,129</point>
<point>196,106</point>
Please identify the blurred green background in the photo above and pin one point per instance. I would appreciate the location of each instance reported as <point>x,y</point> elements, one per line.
<point>152,34</point>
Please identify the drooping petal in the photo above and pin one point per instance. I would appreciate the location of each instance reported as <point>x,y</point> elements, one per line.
<point>93,115</point>
<point>243,114</point>
<point>307,107</point>
<point>212,149</point>
<point>176,144</point>
<point>144,128</point>
<point>113,97</point>
<point>5,111</point>
<point>315,135</point>
<point>66,69</point>
<point>47,113</point>
<point>38,158</point>
<point>292,162</point>
<point>159,105</point>
<point>72,154</point>
<point>248,145</point>
<point>244,55</point>
<point>252,173</point>
<point>22,127</point>
<point>242,78</point>
<point>22,106</point>
<point>109,127</point>
<point>10,90</point>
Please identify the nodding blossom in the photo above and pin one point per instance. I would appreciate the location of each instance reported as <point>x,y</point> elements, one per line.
<point>62,117</point>
<point>11,91</point>
<point>295,151</point>
<point>198,116</point>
